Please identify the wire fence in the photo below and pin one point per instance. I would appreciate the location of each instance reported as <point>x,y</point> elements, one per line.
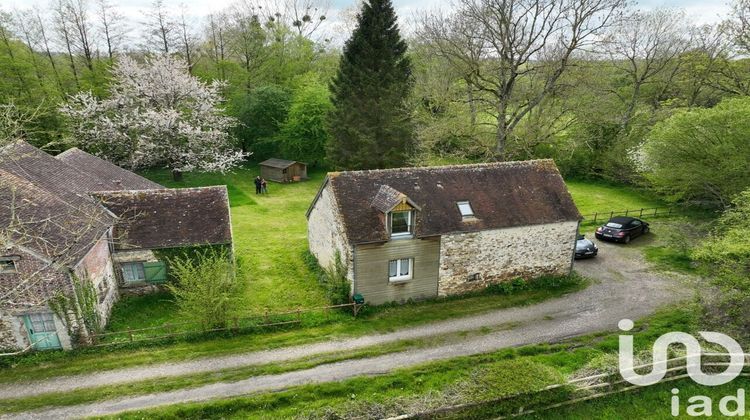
<point>234,325</point>
<point>652,212</point>
<point>571,392</point>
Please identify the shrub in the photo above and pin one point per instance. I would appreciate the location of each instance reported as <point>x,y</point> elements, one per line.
<point>207,289</point>
<point>700,154</point>
<point>333,278</point>
<point>336,282</point>
<point>725,259</point>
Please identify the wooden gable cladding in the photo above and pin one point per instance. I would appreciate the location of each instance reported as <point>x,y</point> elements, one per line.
<point>404,206</point>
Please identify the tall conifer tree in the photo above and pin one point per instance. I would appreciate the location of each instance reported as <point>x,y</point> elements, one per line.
<point>370,125</point>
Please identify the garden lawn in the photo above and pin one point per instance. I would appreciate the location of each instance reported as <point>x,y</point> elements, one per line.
<point>596,196</point>
<point>270,236</point>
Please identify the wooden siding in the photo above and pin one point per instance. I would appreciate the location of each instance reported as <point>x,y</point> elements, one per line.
<point>272,174</point>
<point>371,270</point>
<point>284,175</point>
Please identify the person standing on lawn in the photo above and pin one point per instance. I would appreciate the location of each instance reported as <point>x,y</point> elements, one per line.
<point>258,185</point>
<point>263,186</point>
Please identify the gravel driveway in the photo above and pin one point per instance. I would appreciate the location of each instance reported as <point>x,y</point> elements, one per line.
<point>624,288</point>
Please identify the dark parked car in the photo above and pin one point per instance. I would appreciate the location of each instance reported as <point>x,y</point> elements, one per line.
<point>585,248</point>
<point>621,229</point>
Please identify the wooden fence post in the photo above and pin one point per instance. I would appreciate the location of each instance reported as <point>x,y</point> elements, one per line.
<point>265,316</point>
<point>236,325</point>
<point>130,334</point>
<point>641,213</point>
<point>299,314</point>
<point>626,212</point>
<point>611,214</point>
<point>595,215</point>
<point>656,209</point>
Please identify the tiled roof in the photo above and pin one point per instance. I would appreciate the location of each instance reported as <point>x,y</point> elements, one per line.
<point>50,174</point>
<point>168,218</point>
<point>97,168</point>
<point>53,227</point>
<point>387,198</point>
<point>503,195</point>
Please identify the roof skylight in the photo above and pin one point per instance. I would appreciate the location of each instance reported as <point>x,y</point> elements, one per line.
<point>465,208</point>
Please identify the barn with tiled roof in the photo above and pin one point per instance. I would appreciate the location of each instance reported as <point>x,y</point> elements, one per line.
<point>76,217</point>
<point>416,233</point>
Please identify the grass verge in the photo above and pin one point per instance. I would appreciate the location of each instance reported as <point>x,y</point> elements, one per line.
<point>88,395</point>
<point>42,365</point>
<point>408,390</point>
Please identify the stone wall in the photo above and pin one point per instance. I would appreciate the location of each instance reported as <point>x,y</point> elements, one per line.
<point>473,261</point>
<point>325,232</point>
<point>97,266</point>
<point>40,283</point>
<point>12,334</point>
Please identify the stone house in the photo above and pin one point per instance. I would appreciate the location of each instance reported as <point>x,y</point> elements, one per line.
<point>75,217</point>
<point>418,233</point>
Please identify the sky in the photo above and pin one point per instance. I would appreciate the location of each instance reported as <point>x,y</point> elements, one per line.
<point>701,11</point>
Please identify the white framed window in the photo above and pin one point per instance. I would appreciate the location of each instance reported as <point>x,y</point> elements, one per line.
<point>8,265</point>
<point>401,269</point>
<point>133,272</point>
<point>465,208</point>
<point>401,223</point>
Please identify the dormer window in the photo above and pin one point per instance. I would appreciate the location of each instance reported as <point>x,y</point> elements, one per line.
<point>8,264</point>
<point>465,208</point>
<point>402,223</point>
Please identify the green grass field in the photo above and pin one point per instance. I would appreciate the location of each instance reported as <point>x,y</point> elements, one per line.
<point>270,235</point>
<point>593,196</point>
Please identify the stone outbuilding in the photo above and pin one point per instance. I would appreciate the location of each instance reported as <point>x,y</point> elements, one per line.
<point>280,170</point>
<point>419,233</point>
<point>75,219</point>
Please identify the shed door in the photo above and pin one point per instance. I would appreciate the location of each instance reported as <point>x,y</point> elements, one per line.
<point>42,331</point>
<point>156,272</point>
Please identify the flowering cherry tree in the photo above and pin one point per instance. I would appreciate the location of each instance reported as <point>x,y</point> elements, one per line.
<point>157,114</point>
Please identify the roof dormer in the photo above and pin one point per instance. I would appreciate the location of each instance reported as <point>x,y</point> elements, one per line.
<point>399,210</point>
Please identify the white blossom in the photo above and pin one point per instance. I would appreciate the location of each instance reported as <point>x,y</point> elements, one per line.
<point>157,114</point>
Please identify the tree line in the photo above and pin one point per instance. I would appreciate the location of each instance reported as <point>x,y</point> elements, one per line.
<point>601,87</point>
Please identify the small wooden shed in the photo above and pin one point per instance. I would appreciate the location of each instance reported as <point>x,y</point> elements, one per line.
<point>281,170</point>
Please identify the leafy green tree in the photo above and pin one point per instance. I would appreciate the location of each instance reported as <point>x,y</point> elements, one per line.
<point>305,134</point>
<point>725,259</point>
<point>700,154</point>
<point>370,125</point>
<point>261,114</point>
<point>207,288</point>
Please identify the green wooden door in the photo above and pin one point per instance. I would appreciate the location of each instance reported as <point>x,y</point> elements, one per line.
<point>42,331</point>
<point>156,272</point>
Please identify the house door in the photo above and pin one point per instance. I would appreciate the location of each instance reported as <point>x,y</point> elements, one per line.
<point>42,331</point>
